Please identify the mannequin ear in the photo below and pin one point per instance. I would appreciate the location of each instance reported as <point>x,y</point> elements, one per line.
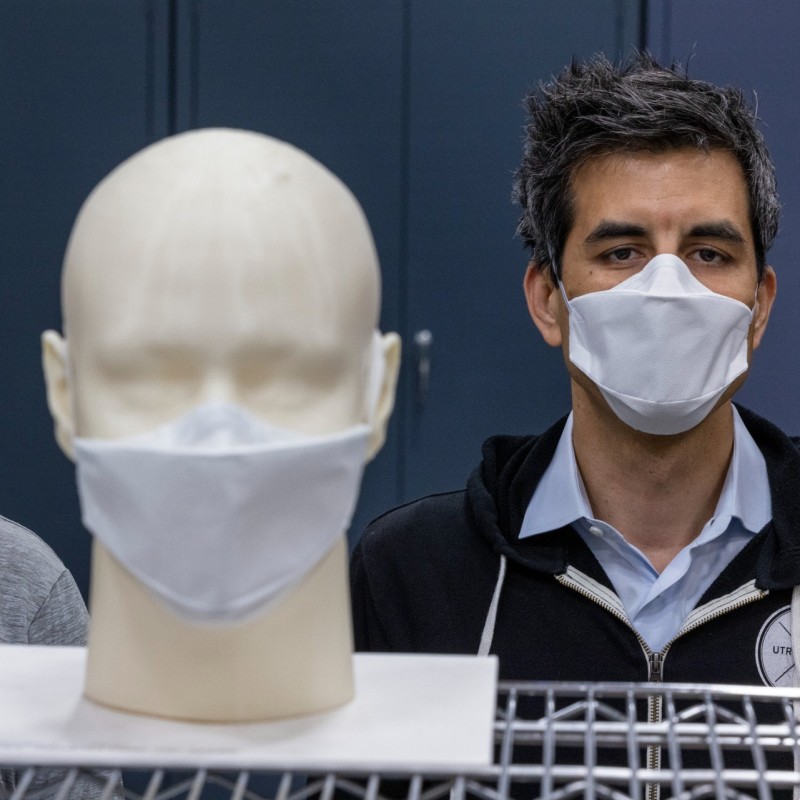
<point>544,303</point>
<point>56,378</point>
<point>390,342</point>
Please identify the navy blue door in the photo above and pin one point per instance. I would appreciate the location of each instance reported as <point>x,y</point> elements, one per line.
<point>471,64</point>
<point>82,86</point>
<point>754,46</point>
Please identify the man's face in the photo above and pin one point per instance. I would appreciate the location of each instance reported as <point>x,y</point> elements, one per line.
<point>630,207</point>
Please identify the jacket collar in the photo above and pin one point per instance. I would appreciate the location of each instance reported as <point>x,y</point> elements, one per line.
<point>779,564</point>
<point>499,491</point>
<point>560,498</point>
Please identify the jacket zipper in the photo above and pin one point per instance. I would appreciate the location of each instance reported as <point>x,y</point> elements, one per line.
<point>577,581</point>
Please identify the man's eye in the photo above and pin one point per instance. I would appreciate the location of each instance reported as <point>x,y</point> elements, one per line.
<point>709,256</point>
<point>621,254</point>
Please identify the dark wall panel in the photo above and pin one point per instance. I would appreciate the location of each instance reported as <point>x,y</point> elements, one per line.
<point>78,92</point>
<point>754,46</point>
<point>471,65</point>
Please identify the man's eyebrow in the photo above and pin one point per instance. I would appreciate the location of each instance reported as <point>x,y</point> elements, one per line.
<point>722,229</point>
<point>609,229</point>
<point>716,229</point>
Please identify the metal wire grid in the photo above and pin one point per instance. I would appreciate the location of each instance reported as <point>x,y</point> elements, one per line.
<point>714,741</point>
<point>553,742</point>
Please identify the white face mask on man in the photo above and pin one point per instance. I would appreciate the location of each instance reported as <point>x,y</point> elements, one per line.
<point>660,346</point>
<point>219,512</point>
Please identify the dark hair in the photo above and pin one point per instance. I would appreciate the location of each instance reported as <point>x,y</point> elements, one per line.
<point>595,108</point>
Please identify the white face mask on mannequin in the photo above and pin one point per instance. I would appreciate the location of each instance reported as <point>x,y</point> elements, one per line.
<point>218,512</point>
<point>660,346</point>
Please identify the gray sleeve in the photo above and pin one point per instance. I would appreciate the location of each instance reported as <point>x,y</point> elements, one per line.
<point>62,617</point>
<point>39,601</point>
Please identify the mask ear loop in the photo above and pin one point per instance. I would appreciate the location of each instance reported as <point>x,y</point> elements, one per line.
<point>375,369</point>
<point>755,301</point>
<point>555,271</point>
<point>69,372</point>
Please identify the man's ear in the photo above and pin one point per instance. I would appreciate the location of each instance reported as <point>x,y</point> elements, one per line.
<point>544,302</point>
<point>765,297</point>
<point>390,343</point>
<point>56,378</point>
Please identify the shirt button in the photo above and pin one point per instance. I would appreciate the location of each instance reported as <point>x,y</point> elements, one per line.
<point>595,530</point>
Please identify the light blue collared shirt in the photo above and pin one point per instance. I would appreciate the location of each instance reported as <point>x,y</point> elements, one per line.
<point>657,604</point>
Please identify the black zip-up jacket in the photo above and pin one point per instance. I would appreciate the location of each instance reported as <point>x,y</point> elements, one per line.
<point>424,574</point>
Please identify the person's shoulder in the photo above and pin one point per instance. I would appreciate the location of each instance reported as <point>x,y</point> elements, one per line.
<point>434,514</point>
<point>39,601</point>
<point>770,439</point>
<point>25,555</point>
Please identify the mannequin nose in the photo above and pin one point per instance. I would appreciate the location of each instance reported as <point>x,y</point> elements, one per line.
<point>219,388</point>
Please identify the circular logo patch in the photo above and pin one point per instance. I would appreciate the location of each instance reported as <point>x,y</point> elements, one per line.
<point>774,649</point>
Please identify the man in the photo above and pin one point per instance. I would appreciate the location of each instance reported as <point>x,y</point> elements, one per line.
<point>654,533</point>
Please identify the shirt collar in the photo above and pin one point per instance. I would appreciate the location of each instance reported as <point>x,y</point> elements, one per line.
<point>560,498</point>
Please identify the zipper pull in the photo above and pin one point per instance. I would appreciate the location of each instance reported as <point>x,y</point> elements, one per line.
<point>656,662</point>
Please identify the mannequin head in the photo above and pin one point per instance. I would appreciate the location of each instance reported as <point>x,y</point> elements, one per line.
<point>218,265</point>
